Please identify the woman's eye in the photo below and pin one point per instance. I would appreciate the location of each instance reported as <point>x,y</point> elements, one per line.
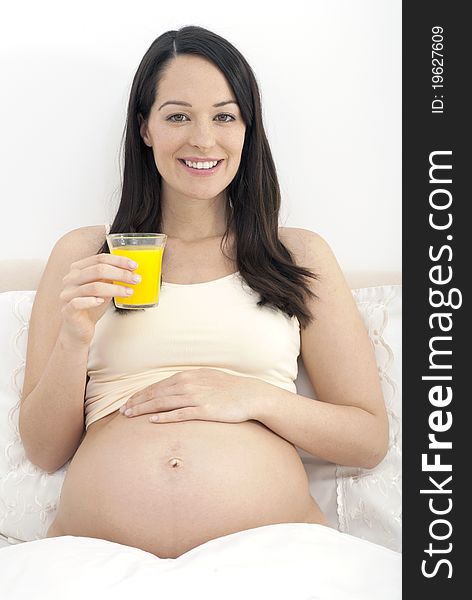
<point>226,115</point>
<point>172,117</point>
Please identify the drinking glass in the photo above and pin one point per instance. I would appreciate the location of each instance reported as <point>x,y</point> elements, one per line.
<point>147,250</point>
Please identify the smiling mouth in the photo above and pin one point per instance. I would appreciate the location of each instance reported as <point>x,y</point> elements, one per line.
<point>201,168</point>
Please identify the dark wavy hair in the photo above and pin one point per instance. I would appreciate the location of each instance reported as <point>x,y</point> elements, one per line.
<point>263,260</point>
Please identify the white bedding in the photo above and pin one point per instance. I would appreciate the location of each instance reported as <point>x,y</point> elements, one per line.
<point>288,561</point>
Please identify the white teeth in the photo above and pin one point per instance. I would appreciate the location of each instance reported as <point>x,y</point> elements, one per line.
<point>201,165</point>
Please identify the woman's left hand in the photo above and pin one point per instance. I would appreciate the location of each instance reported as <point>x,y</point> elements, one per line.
<point>198,394</point>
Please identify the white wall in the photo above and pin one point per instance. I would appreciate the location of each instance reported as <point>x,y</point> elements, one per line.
<point>330,79</point>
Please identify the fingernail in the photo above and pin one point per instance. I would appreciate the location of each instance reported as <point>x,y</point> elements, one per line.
<point>132,264</point>
<point>128,412</point>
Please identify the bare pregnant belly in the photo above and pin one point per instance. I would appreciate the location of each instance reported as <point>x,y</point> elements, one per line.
<point>167,488</point>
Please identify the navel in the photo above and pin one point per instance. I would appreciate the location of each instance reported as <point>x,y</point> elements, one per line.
<point>175,462</point>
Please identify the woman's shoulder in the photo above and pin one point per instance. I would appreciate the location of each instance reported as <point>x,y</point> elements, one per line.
<point>87,232</point>
<point>86,240</point>
<point>306,246</point>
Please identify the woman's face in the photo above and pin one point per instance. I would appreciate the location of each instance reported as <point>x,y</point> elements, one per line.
<point>196,130</point>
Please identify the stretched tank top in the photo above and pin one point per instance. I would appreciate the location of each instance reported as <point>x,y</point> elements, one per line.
<point>216,324</point>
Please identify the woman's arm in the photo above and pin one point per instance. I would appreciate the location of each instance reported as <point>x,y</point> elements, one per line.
<point>346,435</point>
<point>63,320</point>
<point>51,420</point>
<point>348,423</point>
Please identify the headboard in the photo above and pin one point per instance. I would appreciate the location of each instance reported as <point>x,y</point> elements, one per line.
<point>25,274</point>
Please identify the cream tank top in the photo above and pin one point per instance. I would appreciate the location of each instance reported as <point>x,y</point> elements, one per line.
<point>216,324</point>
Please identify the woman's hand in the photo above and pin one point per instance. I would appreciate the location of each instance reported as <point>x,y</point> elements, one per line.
<point>198,394</point>
<point>88,289</point>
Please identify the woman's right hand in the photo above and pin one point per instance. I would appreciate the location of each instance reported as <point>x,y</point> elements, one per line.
<point>90,279</point>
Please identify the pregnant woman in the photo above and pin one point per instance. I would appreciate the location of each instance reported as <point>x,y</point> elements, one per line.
<point>215,362</point>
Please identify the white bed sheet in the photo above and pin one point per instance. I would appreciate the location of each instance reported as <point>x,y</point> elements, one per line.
<point>287,561</point>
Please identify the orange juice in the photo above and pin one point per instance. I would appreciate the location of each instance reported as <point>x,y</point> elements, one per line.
<point>149,259</point>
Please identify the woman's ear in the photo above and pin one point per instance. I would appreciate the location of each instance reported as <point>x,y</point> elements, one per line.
<point>143,130</point>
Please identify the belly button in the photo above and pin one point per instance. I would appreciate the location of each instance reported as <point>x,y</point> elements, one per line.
<point>175,462</point>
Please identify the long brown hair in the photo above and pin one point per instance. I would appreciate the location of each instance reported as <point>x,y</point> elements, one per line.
<point>263,260</point>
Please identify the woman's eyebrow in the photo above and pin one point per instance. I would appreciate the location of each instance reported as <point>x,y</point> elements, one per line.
<point>181,103</point>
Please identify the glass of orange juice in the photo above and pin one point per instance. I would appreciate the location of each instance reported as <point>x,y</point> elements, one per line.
<point>147,250</point>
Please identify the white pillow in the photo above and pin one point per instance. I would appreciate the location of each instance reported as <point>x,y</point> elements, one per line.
<point>28,495</point>
<point>367,502</point>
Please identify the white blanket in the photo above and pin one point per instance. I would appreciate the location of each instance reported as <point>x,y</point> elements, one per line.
<point>288,561</point>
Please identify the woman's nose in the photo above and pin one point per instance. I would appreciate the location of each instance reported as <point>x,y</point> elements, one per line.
<point>202,135</point>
